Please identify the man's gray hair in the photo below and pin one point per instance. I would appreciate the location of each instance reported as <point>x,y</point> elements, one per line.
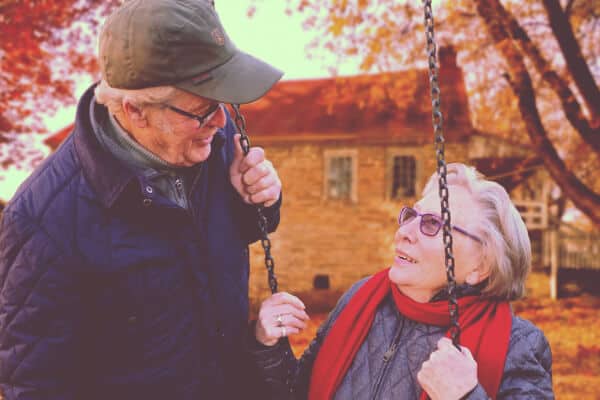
<point>113,98</point>
<point>507,248</point>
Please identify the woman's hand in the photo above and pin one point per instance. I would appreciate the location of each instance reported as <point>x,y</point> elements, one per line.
<point>448,374</point>
<point>280,315</point>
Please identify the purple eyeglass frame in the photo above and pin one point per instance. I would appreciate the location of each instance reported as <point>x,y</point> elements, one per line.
<point>436,218</point>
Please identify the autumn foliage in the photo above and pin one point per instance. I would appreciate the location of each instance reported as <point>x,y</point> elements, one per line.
<point>44,45</point>
<point>531,69</point>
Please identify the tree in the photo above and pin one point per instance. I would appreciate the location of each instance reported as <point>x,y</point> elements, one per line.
<point>44,46</point>
<point>529,64</point>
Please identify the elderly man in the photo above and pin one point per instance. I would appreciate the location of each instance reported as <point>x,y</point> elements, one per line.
<point>124,258</point>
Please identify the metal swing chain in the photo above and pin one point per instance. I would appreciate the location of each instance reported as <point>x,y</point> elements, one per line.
<point>437,119</point>
<point>240,123</point>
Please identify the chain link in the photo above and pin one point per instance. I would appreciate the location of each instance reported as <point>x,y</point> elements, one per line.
<point>438,119</point>
<point>240,123</point>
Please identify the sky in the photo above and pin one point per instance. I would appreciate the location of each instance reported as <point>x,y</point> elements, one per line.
<point>270,35</point>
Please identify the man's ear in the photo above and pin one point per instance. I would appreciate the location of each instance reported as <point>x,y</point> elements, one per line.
<point>135,114</point>
<point>478,274</point>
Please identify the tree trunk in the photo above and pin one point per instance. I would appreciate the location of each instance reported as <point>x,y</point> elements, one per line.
<point>582,196</point>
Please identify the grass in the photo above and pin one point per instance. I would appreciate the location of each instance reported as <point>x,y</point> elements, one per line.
<point>571,324</point>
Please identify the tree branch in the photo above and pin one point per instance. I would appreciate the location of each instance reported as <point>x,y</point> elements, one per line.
<point>559,86</point>
<point>582,196</point>
<point>569,8</point>
<point>574,57</point>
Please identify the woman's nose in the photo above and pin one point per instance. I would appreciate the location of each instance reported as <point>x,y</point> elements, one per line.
<point>407,231</point>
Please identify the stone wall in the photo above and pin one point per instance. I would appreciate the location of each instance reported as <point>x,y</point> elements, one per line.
<point>343,239</point>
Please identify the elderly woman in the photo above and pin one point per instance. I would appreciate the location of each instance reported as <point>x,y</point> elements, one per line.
<point>387,336</point>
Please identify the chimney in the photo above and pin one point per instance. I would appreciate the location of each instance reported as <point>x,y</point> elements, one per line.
<point>447,57</point>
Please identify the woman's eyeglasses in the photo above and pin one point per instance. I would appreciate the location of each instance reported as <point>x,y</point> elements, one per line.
<point>430,224</point>
<point>202,119</point>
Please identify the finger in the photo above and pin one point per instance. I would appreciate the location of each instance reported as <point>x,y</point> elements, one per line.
<point>255,156</point>
<point>267,196</point>
<point>264,336</point>
<point>273,200</point>
<point>265,183</point>
<point>446,344</point>
<point>288,309</point>
<point>433,356</point>
<point>287,331</point>
<point>293,331</point>
<point>258,173</point>
<point>291,321</point>
<point>238,154</point>
<point>467,353</point>
<point>281,331</point>
<point>287,298</point>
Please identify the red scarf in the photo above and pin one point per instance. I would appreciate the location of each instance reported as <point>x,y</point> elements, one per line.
<point>485,331</point>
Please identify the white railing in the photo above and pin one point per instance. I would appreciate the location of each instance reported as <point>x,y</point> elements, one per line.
<point>575,250</point>
<point>569,248</point>
<point>534,213</point>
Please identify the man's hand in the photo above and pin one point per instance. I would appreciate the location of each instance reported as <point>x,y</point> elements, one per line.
<point>253,176</point>
<point>448,374</point>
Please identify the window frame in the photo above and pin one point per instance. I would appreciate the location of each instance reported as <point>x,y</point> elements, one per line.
<point>328,156</point>
<point>391,154</point>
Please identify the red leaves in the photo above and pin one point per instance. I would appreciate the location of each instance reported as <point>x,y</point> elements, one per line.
<point>44,45</point>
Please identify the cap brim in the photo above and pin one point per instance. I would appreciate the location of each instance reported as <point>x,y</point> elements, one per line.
<point>242,79</point>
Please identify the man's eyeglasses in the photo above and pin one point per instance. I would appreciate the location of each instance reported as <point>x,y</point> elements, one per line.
<point>430,224</point>
<point>202,119</point>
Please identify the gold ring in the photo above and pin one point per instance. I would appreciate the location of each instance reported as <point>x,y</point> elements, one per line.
<point>279,319</point>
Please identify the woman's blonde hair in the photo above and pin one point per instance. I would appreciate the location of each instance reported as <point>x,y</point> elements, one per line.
<point>113,98</point>
<point>506,247</point>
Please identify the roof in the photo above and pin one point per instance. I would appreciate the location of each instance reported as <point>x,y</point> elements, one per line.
<point>510,172</point>
<point>372,108</point>
<point>387,108</point>
<point>56,139</point>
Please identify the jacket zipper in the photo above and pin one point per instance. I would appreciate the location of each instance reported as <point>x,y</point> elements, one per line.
<point>387,357</point>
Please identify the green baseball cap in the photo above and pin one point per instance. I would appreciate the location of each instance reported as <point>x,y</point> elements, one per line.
<point>147,43</point>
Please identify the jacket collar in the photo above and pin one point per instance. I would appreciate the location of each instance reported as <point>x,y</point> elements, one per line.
<point>106,174</point>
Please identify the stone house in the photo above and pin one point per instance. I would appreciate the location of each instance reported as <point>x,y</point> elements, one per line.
<point>348,163</point>
<point>347,169</point>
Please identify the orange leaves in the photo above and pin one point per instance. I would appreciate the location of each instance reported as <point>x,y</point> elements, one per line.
<point>362,4</point>
<point>337,25</point>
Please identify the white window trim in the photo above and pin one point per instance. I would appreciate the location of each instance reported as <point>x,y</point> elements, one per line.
<point>392,152</point>
<point>328,154</point>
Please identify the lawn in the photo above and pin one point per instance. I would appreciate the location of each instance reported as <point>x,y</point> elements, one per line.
<point>571,324</point>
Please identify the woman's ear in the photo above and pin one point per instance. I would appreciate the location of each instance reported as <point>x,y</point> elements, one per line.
<point>135,114</point>
<point>478,274</point>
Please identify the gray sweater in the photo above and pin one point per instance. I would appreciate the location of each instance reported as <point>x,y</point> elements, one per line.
<point>527,371</point>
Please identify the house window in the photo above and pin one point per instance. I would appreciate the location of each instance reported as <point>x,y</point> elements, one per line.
<point>404,177</point>
<point>340,174</point>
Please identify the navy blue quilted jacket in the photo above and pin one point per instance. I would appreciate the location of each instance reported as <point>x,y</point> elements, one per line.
<point>108,291</point>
